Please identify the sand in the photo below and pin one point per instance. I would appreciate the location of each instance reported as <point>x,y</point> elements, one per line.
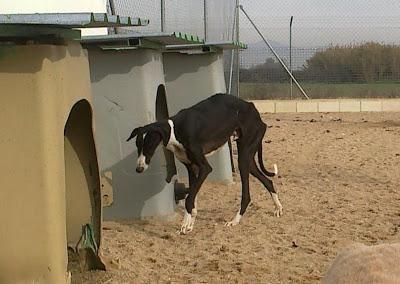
<point>338,182</point>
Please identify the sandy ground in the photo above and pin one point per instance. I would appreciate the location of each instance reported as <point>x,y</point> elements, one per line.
<point>338,182</point>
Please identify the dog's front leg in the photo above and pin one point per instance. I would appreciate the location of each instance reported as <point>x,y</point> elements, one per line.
<point>244,158</point>
<point>190,203</point>
<point>189,219</point>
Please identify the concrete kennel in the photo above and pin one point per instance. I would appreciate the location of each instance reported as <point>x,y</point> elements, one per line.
<point>49,178</point>
<point>128,86</point>
<point>193,73</point>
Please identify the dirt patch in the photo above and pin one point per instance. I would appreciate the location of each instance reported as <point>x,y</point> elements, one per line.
<point>338,182</point>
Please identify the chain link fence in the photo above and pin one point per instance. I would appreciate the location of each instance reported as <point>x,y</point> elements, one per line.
<point>212,20</point>
<point>149,9</point>
<point>340,49</point>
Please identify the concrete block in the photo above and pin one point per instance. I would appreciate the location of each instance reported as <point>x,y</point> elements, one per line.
<point>349,106</point>
<point>285,106</point>
<point>307,106</point>
<point>328,106</point>
<point>333,105</point>
<point>265,106</point>
<point>391,105</point>
<point>371,105</point>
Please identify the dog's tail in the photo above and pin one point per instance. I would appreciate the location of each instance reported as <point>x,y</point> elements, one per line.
<point>261,163</point>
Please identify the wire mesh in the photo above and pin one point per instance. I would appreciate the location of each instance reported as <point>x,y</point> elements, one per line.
<point>149,9</point>
<point>210,19</point>
<point>185,16</point>
<point>197,17</point>
<point>339,48</point>
<point>220,20</point>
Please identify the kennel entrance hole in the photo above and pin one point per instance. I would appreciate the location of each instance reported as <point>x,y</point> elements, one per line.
<point>83,212</point>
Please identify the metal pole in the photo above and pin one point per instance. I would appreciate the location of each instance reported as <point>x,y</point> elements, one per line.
<point>235,13</point>
<point>231,72</point>
<point>232,52</point>
<point>237,51</point>
<point>276,55</point>
<point>162,6</point>
<point>290,57</point>
<point>112,10</point>
<point>205,20</point>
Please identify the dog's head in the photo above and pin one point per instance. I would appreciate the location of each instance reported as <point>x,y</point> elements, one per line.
<point>147,141</point>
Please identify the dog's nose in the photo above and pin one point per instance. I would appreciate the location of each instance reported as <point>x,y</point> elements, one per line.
<point>139,169</point>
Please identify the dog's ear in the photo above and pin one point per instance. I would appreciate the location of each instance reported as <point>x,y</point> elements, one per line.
<point>161,129</point>
<point>164,135</point>
<point>134,133</point>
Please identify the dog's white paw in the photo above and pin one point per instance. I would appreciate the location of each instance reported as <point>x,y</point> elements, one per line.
<point>184,230</point>
<point>278,211</point>
<point>235,220</point>
<point>187,224</point>
<point>278,206</point>
<point>231,223</point>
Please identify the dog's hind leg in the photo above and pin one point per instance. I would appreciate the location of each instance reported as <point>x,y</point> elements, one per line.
<point>255,171</point>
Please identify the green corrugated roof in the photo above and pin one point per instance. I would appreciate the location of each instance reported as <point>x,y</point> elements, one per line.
<point>134,40</point>
<point>209,45</point>
<point>59,25</point>
<point>72,20</point>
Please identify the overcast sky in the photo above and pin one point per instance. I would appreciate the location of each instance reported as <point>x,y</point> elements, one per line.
<point>323,7</point>
<point>322,22</point>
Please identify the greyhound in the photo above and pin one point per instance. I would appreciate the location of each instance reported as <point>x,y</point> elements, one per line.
<point>198,131</point>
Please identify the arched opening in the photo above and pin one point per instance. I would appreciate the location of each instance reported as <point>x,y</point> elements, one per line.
<point>82,190</point>
<point>161,104</point>
<point>162,114</point>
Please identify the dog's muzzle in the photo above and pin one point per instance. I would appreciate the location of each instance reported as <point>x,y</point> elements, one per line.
<point>141,165</point>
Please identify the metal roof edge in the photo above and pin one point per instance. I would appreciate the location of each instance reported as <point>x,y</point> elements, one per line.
<point>154,40</point>
<point>72,20</point>
<point>210,45</point>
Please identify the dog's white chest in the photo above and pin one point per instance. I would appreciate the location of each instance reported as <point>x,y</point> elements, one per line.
<point>212,152</point>
<point>180,153</point>
<point>175,146</point>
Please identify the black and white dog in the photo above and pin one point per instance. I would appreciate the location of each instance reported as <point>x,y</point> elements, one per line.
<point>198,131</point>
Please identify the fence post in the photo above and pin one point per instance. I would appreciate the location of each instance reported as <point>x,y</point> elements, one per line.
<point>112,10</point>
<point>205,19</point>
<point>237,50</point>
<point>273,51</point>
<point>290,57</point>
<point>162,8</point>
